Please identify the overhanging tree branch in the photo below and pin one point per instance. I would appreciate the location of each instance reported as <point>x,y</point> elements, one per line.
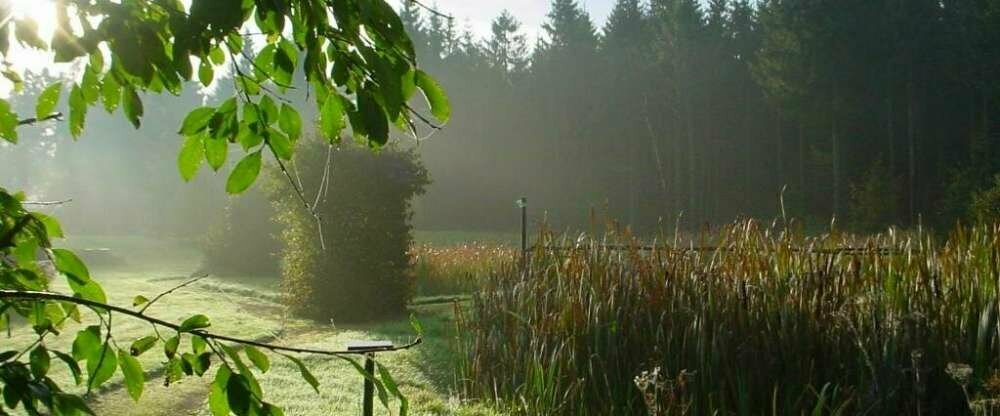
<point>47,203</point>
<point>33,295</point>
<point>33,120</point>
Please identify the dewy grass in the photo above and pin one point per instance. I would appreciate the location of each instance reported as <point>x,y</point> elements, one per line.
<point>772,322</point>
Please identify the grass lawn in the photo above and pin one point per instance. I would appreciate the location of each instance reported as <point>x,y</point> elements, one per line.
<point>249,309</point>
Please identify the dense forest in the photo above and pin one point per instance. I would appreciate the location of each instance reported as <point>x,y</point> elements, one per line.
<point>873,111</point>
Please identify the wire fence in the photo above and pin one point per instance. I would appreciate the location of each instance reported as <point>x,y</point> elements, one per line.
<point>884,251</point>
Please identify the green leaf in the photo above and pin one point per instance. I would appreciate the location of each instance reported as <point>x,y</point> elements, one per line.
<point>238,394</point>
<point>408,84</point>
<point>190,157</point>
<point>206,73</point>
<point>280,144</point>
<point>248,138</point>
<point>87,342</point>
<point>89,289</point>
<point>77,111</point>
<point>111,93</point>
<point>267,409</point>
<point>383,396</point>
<point>8,122</point>
<point>290,122</point>
<point>216,151</point>
<point>258,358</point>
<point>48,100</point>
<point>393,388</point>
<point>196,120</point>
<point>52,227</point>
<point>101,366</point>
<point>234,355</point>
<point>39,361</point>
<point>285,61</point>
<point>435,95</point>
<point>139,300</point>
<point>195,322</point>
<point>132,105</point>
<point>71,405</point>
<point>332,118</point>
<point>72,311</point>
<point>218,402</point>
<point>74,368</point>
<point>142,345</point>
<point>67,262</point>
<point>132,371</point>
<point>91,86</point>
<point>306,375</point>
<point>170,347</point>
<point>268,110</point>
<point>217,56</point>
<point>415,324</point>
<point>244,174</point>
<point>198,344</point>
<point>14,77</point>
<point>197,363</point>
<point>374,118</point>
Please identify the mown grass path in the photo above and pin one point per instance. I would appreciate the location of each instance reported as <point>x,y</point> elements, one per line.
<point>424,373</point>
<point>248,308</point>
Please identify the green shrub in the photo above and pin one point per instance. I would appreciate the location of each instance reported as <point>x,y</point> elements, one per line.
<point>353,263</point>
<point>985,207</point>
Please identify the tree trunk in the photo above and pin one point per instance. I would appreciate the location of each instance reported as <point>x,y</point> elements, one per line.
<point>911,147</point>
<point>802,159</point>
<point>780,165</point>
<point>692,176</point>
<point>835,141</point>
<point>890,130</point>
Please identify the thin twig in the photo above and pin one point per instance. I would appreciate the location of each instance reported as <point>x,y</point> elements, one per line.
<point>33,295</point>
<point>423,118</point>
<point>432,10</point>
<point>47,203</point>
<point>33,120</point>
<point>169,291</point>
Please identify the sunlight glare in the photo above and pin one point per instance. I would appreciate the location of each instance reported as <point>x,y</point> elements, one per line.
<point>42,12</point>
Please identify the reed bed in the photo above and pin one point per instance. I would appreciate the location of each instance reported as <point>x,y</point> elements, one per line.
<point>455,269</point>
<point>771,322</point>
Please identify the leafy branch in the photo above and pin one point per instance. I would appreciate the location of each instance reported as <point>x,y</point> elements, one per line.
<point>51,296</point>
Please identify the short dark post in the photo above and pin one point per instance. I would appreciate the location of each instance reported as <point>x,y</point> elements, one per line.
<point>369,348</point>
<point>368,405</point>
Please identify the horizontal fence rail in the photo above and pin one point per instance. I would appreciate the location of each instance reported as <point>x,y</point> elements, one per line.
<point>712,249</point>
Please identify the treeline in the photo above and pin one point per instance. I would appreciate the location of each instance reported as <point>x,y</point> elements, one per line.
<point>873,111</point>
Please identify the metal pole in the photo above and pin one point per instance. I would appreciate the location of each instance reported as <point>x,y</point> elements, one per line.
<point>368,404</point>
<point>524,225</point>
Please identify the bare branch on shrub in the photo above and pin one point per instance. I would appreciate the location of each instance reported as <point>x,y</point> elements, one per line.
<point>169,291</point>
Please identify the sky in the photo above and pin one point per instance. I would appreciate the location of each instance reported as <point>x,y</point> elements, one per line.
<point>476,15</point>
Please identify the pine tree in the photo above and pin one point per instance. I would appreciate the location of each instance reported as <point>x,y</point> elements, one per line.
<point>507,48</point>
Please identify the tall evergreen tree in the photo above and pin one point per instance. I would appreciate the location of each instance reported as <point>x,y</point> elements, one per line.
<point>507,47</point>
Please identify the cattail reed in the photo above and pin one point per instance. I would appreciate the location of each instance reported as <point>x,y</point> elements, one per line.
<point>766,321</point>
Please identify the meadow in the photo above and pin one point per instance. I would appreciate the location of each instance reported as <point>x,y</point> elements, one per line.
<point>750,319</point>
